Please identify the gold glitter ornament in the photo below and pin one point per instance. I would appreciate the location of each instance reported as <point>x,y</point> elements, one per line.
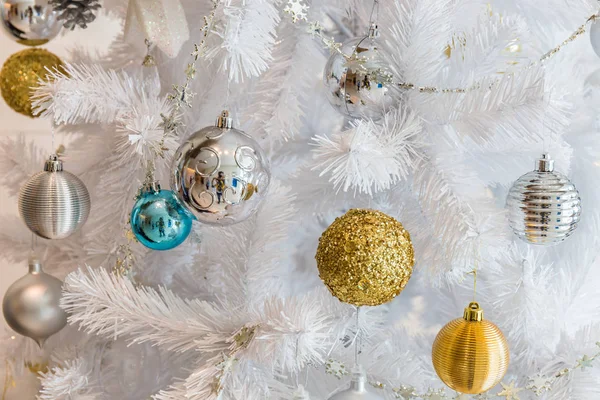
<point>365,257</point>
<point>470,354</point>
<point>20,74</point>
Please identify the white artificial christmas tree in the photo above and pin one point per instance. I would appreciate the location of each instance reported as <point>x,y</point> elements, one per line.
<point>239,312</point>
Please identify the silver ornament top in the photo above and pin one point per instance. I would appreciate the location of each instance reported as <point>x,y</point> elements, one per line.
<point>544,164</point>
<point>358,388</point>
<point>224,121</point>
<point>53,164</point>
<point>373,31</point>
<point>543,205</point>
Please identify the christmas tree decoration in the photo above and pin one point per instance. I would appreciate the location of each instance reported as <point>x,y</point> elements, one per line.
<point>365,257</point>
<point>163,22</point>
<point>358,389</point>
<point>54,203</point>
<point>20,75</point>
<point>543,206</point>
<point>510,392</point>
<point>31,304</point>
<point>30,22</point>
<point>221,174</point>
<point>158,220</point>
<point>595,36</point>
<point>358,79</point>
<point>470,354</point>
<point>76,12</point>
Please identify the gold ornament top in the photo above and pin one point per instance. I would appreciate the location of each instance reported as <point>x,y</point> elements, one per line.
<point>470,354</point>
<point>20,75</point>
<point>365,257</point>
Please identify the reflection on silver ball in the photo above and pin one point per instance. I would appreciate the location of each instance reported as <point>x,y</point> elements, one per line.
<point>30,22</point>
<point>31,304</point>
<point>220,174</point>
<point>358,80</point>
<point>54,203</point>
<point>358,388</point>
<point>543,205</point>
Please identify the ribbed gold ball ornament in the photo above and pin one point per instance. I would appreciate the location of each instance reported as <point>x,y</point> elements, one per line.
<point>20,75</point>
<point>470,354</point>
<point>365,257</point>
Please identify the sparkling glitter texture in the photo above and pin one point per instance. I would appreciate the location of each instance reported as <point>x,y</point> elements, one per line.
<point>365,257</point>
<point>20,74</point>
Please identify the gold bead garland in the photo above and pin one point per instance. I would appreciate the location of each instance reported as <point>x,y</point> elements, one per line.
<point>365,257</point>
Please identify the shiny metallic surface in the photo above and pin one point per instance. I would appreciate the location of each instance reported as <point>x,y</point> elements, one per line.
<point>358,80</point>
<point>30,22</point>
<point>470,354</point>
<point>159,221</point>
<point>220,174</point>
<point>358,390</point>
<point>54,203</point>
<point>543,206</point>
<point>31,304</point>
<point>595,36</point>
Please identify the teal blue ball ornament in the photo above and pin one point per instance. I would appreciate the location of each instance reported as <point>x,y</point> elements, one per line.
<point>158,220</point>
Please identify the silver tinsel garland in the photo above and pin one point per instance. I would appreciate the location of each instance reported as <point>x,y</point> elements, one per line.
<point>76,12</point>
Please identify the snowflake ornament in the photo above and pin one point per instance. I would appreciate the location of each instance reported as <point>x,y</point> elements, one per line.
<point>335,368</point>
<point>539,384</point>
<point>585,362</point>
<point>510,392</point>
<point>314,29</point>
<point>297,9</point>
<point>405,392</point>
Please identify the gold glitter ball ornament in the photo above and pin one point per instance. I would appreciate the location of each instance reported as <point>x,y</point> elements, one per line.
<point>20,75</point>
<point>470,354</point>
<point>365,257</point>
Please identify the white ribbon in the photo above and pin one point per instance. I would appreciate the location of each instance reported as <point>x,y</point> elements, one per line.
<point>162,22</point>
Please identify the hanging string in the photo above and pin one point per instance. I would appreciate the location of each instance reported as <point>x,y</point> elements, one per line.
<point>357,338</point>
<point>374,12</point>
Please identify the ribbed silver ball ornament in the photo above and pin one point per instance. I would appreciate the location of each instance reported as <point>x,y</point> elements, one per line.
<point>358,389</point>
<point>543,205</point>
<point>31,304</point>
<point>595,36</point>
<point>54,203</point>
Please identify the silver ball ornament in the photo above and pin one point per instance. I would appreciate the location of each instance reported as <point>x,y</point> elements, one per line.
<point>30,22</point>
<point>54,203</point>
<point>358,80</point>
<point>221,174</point>
<point>543,206</point>
<point>358,389</point>
<point>31,304</point>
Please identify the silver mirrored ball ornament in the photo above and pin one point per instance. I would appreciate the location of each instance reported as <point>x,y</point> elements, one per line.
<point>31,304</point>
<point>358,80</point>
<point>358,389</point>
<point>543,206</point>
<point>54,203</point>
<point>221,174</point>
<point>30,22</point>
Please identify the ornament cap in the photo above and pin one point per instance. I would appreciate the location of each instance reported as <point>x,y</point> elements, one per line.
<point>473,312</point>
<point>35,266</point>
<point>224,120</point>
<point>152,186</point>
<point>374,31</point>
<point>544,164</point>
<point>53,164</point>
<point>359,379</point>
